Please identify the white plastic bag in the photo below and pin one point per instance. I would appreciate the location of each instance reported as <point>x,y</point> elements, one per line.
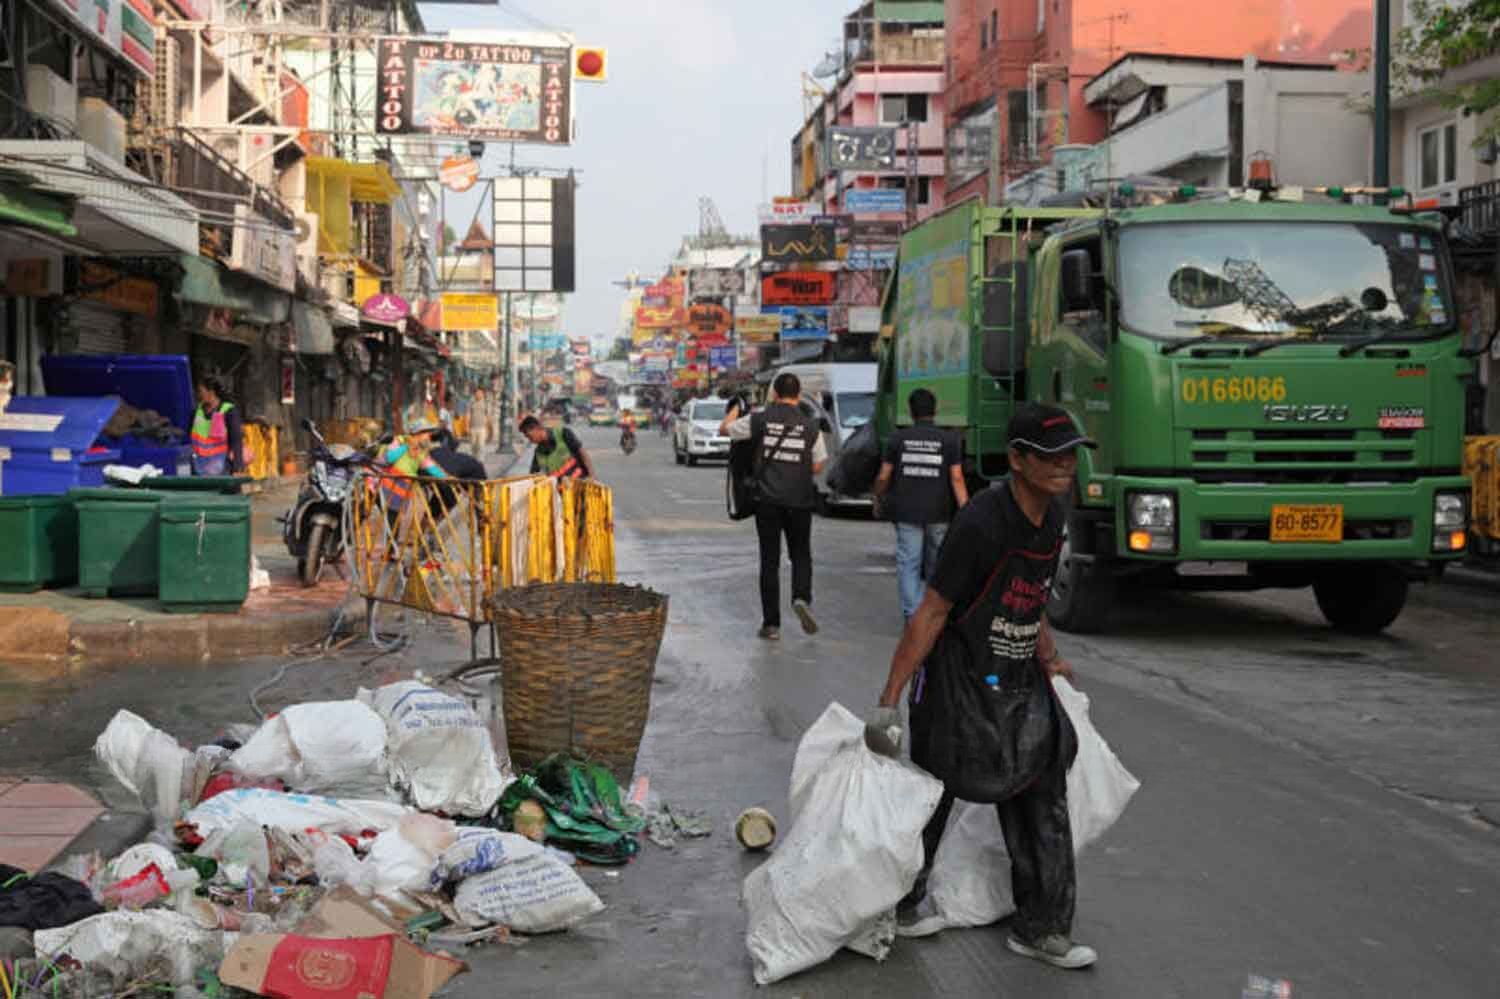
<point>439,749</point>
<point>125,944</point>
<point>322,747</point>
<point>402,859</point>
<point>853,850</point>
<point>148,762</point>
<point>531,891</point>
<point>970,880</point>
<point>293,812</point>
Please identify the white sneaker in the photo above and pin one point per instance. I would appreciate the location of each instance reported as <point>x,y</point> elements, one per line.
<point>804,614</point>
<point>920,920</point>
<point>1055,949</point>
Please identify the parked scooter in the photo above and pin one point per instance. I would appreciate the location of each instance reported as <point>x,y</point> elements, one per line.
<point>314,528</point>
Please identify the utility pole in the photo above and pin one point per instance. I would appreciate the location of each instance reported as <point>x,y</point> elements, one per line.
<point>1382,162</point>
<point>509,392</point>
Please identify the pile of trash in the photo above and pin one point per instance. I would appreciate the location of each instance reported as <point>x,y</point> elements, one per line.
<point>367,840</point>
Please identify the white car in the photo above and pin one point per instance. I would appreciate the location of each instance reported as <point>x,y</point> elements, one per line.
<point>695,432</point>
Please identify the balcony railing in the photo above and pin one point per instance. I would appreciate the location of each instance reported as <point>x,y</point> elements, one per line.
<point>1479,207</point>
<point>212,183</point>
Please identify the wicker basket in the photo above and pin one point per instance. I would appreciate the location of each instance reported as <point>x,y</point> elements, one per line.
<point>577,664</point>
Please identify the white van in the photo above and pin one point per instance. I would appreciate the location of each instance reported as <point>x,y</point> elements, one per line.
<point>845,393</point>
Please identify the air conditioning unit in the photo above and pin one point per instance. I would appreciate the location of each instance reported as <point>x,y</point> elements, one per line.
<point>102,127</point>
<point>52,97</point>
<point>256,159</point>
<point>307,246</point>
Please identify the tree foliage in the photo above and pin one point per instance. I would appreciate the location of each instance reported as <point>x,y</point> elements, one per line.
<point>1442,37</point>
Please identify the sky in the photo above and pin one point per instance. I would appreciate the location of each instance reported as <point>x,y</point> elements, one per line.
<point>703,98</point>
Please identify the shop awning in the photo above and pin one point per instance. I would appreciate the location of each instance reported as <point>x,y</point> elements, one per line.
<point>332,184</point>
<point>314,330</point>
<point>22,204</point>
<point>207,284</point>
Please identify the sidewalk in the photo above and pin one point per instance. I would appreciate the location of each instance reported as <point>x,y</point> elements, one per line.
<point>48,634</point>
<point>51,634</point>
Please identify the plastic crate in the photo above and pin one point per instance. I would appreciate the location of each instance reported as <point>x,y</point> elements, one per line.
<point>204,551</point>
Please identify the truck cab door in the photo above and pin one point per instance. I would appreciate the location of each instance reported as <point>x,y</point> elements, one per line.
<point>1079,351</point>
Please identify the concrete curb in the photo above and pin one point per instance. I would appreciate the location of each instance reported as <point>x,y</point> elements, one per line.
<point>202,638</point>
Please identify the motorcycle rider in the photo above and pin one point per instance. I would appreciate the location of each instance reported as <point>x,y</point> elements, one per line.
<point>627,429</point>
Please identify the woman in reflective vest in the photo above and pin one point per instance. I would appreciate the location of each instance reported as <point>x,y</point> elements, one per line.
<point>218,435</point>
<point>406,458</point>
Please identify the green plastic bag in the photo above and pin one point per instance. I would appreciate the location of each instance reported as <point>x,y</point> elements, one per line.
<point>585,813</point>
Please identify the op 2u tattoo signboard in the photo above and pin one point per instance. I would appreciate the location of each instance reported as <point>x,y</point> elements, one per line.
<point>481,90</point>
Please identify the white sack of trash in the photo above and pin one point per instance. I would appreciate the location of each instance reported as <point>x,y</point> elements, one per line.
<point>853,850</point>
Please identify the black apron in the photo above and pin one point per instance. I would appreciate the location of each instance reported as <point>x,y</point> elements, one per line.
<point>987,726</point>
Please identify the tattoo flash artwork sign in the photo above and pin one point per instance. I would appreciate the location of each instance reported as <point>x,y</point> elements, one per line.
<point>482,90</point>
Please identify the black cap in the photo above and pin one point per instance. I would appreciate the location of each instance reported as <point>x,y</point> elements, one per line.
<point>1047,429</point>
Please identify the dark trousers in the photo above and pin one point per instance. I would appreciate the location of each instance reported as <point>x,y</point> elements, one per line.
<point>1039,839</point>
<point>771,522</point>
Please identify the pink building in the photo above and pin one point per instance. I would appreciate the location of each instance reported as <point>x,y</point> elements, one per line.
<point>891,76</point>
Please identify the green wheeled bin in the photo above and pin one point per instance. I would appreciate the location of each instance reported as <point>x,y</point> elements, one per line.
<point>116,541</point>
<point>39,536</point>
<point>204,545</point>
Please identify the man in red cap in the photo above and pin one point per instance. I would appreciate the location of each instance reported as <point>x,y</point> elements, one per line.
<point>984,719</point>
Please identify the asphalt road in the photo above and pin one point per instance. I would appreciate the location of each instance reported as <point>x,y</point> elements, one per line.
<point>1315,808</point>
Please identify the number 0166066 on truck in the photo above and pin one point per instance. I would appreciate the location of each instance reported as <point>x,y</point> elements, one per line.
<point>1276,386</point>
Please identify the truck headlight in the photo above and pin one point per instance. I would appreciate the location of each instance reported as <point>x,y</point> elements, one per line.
<point>1151,519</point>
<point>1450,522</point>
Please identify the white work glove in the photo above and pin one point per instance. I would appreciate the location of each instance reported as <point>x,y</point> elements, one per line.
<point>883,732</point>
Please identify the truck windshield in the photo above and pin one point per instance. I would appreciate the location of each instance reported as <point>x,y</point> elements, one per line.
<point>1271,278</point>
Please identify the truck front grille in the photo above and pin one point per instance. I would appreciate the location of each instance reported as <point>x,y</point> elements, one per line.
<point>1298,454</point>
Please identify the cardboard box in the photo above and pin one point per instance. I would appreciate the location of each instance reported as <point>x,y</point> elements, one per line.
<point>338,945</point>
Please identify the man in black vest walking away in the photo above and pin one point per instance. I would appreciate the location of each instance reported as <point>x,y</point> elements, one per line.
<point>789,451</point>
<point>921,479</point>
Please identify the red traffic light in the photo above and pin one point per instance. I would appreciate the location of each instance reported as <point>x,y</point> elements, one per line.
<point>590,64</point>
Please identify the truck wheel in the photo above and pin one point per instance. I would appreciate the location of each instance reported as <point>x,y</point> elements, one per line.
<point>1082,594</point>
<point>1361,600</point>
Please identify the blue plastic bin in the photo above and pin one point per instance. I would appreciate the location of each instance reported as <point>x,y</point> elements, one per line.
<point>163,382</point>
<point>45,442</point>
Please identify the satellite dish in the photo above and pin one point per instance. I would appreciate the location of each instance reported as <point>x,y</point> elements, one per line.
<point>830,66</point>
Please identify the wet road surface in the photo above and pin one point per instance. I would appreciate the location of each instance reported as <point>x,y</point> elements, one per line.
<point>1315,808</point>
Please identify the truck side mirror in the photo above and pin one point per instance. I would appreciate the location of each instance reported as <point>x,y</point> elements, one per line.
<point>1077,280</point>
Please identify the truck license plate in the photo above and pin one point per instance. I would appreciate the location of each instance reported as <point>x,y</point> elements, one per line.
<point>1307,522</point>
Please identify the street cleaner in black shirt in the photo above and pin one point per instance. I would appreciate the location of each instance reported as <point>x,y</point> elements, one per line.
<point>984,719</point>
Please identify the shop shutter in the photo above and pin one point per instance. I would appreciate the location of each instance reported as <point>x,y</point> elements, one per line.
<point>101,330</point>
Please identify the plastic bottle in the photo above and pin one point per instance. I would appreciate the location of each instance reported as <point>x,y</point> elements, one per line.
<point>992,681</point>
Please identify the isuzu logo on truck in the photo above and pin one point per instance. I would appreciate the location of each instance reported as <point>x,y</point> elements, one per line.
<point>1306,414</point>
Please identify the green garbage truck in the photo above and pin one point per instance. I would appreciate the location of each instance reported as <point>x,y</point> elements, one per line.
<point>1275,380</point>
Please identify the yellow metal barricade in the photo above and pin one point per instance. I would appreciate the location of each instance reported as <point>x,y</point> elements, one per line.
<point>448,546</point>
<point>1482,466</point>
